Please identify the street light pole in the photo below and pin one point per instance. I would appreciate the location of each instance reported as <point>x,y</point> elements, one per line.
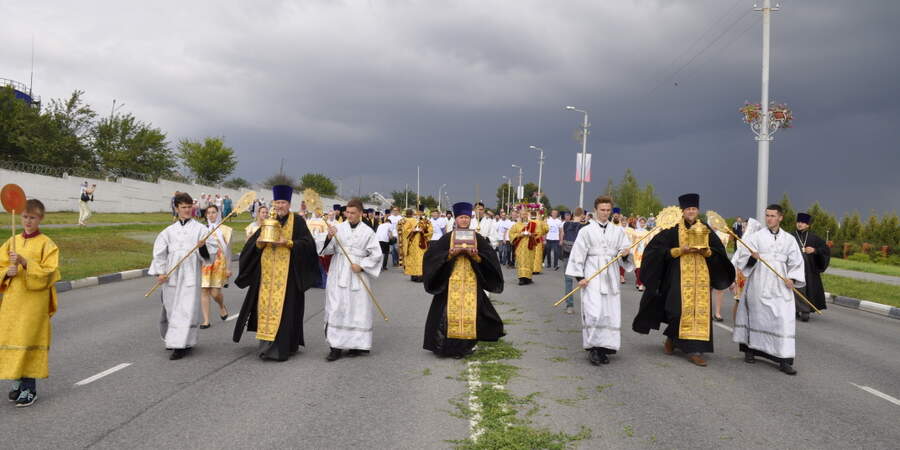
<point>540,171</point>
<point>440,199</point>
<point>765,135</point>
<point>519,187</point>
<point>505,193</point>
<point>584,136</point>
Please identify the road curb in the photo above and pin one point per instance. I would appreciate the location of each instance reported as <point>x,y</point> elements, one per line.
<point>865,305</point>
<point>68,285</point>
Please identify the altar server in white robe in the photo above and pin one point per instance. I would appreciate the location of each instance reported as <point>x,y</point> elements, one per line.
<point>765,322</point>
<point>181,291</point>
<point>348,308</point>
<point>596,245</point>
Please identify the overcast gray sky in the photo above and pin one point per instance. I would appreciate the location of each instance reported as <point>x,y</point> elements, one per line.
<point>367,90</point>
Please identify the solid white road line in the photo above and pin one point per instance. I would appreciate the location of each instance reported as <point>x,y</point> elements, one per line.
<point>474,383</point>
<point>878,393</point>
<point>102,374</point>
<point>724,327</point>
<point>231,317</point>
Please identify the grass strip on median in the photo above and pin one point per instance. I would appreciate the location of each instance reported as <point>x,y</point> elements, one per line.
<point>863,290</point>
<point>86,252</point>
<point>502,420</point>
<point>870,267</point>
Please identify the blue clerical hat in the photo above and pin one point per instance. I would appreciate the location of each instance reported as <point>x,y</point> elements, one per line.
<point>617,210</point>
<point>387,211</point>
<point>282,192</point>
<point>804,217</point>
<point>689,201</point>
<point>462,209</point>
<point>336,207</point>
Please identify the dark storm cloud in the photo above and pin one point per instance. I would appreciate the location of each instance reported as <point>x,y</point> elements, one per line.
<point>367,90</point>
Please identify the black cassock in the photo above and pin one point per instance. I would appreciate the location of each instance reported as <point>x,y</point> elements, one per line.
<point>813,266</point>
<point>436,276</point>
<point>661,275</point>
<point>302,275</point>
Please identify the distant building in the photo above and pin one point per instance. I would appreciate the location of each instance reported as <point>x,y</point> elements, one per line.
<point>22,92</point>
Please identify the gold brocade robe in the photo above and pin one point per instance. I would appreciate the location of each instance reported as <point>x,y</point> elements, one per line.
<point>695,286</point>
<point>540,230</point>
<point>412,264</point>
<point>273,283</point>
<point>524,255</point>
<point>462,300</point>
<point>29,300</point>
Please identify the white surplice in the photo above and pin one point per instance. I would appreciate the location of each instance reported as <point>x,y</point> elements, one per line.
<point>601,303</point>
<point>765,318</point>
<point>348,308</point>
<point>181,293</point>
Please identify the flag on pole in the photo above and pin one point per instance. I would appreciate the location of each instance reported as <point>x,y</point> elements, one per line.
<point>587,169</point>
<point>520,192</point>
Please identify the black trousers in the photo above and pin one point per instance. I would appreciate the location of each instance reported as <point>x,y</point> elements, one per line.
<point>386,251</point>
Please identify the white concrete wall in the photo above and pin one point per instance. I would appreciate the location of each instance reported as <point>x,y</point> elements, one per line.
<point>125,195</point>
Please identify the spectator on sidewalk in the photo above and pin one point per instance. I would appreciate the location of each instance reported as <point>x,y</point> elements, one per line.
<point>84,209</point>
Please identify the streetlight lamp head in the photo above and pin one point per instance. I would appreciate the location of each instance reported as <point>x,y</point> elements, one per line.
<point>531,146</point>
<point>570,107</point>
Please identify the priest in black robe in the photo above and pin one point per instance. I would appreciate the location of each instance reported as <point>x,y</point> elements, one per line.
<point>277,275</point>
<point>816,256</point>
<point>680,266</point>
<point>458,274</point>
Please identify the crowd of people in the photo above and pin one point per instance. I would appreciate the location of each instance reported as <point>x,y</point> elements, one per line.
<point>458,257</point>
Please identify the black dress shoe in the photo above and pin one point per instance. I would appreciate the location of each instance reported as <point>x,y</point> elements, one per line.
<point>523,281</point>
<point>334,355</point>
<point>804,317</point>
<point>595,357</point>
<point>357,352</point>
<point>178,353</point>
<point>786,368</point>
<point>604,358</point>
<point>204,326</point>
<point>749,358</point>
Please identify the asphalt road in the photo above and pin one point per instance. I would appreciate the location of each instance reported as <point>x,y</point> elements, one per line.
<point>223,396</point>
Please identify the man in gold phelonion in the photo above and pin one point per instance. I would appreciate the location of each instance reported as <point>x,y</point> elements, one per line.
<point>277,272</point>
<point>679,267</point>
<point>459,269</point>
<point>417,234</point>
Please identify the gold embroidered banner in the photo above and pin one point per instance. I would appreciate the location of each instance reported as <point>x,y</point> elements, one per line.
<point>695,298</point>
<point>462,301</point>
<point>273,283</point>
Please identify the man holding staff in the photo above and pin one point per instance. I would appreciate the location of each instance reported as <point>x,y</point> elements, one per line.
<point>348,308</point>
<point>181,291</point>
<point>601,303</point>
<point>679,267</point>
<point>765,323</point>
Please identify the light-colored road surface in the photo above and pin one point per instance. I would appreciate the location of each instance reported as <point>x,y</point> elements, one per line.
<point>223,396</point>
<point>864,275</point>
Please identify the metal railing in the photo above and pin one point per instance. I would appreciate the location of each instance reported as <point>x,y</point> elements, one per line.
<point>79,172</point>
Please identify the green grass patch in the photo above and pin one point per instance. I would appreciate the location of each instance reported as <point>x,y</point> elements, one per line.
<point>86,252</point>
<point>870,267</point>
<point>426,372</point>
<point>558,359</point>
<point>863,290</point>
<point>505,418</point>
<point>602,387</point>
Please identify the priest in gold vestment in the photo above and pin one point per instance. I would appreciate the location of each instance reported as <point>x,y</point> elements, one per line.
<point>523,241</point>
<point>461,313</point>
<point>540,231</point>
<point>680,266</point>
<point>277,275</point>
<point>417,233</point>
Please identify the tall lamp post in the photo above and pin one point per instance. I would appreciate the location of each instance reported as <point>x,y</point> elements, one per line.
<point>505,195</point>
<point>440,199</point>
<point>584,136</point>
<point>540,170</point>
<point>765,122</point>
<point>519,187</point>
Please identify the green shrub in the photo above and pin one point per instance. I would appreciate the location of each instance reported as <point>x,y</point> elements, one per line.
<point>859,257</point>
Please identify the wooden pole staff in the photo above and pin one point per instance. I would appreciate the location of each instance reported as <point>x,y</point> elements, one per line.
<point>774,271</point>
<point>180,261</point>
<point>577,287</point>
<point>371,295</point>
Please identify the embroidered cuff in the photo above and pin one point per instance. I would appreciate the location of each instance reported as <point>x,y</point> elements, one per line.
<point>675,252</point>
<point>707,252</point>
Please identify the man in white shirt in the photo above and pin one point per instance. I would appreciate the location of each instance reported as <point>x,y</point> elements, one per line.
<point>500,230</point>
<point>383,234</point>
<point>553,236</point>
<point>439,223</point>
<point>395,219</point>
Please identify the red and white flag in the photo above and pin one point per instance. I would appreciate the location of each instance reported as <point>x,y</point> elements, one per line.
<point>587,168</point>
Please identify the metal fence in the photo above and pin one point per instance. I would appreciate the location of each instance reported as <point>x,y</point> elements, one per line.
<point>78,172</point>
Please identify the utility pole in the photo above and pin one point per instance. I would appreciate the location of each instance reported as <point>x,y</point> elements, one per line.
<point>417,188</point>
<point>765,134</point>
<point>584,136</point>
<point>540,171</point>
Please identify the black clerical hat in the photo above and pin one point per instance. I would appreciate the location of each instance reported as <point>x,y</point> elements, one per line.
<point>804,217</point>
<point>689,201</point>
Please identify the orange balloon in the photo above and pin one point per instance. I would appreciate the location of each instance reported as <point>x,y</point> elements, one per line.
<point>13,198</point>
